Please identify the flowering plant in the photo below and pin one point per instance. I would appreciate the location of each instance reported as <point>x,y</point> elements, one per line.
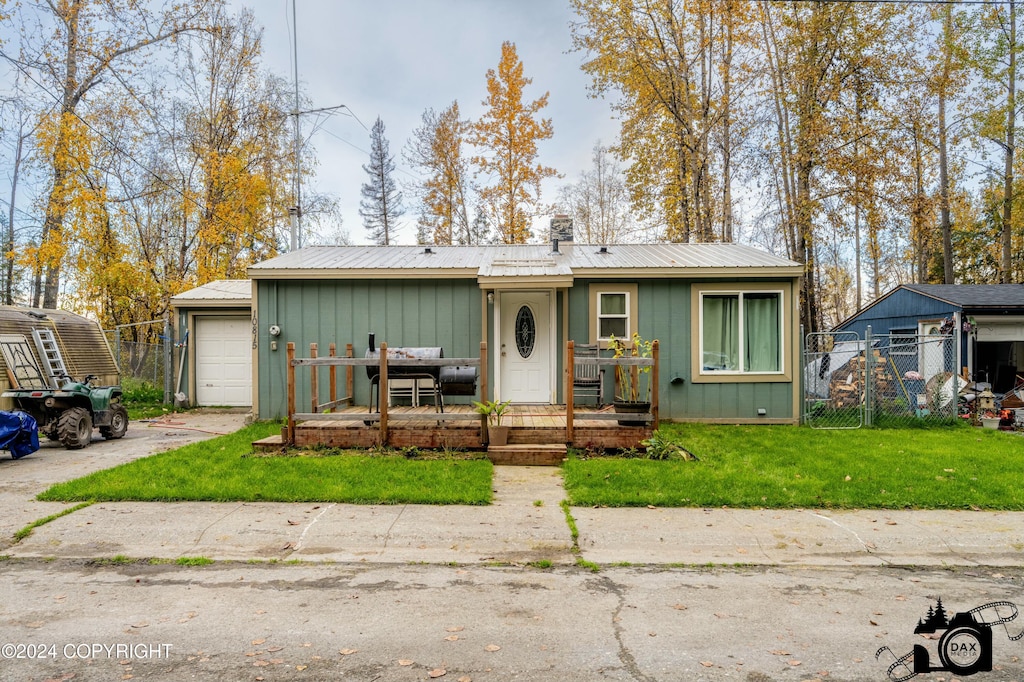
<point>628,377</point>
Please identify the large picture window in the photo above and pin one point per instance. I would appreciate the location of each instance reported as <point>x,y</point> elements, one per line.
<point>741,332</point>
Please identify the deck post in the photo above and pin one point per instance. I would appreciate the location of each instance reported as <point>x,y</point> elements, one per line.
<point>332,377</point>
<point>349,379</point>
<point>291,393</point>
<point>570,373</point>
<point>483,390</point>
<point>382,393</point>
<point>314,388</point>
<point>654,385</point>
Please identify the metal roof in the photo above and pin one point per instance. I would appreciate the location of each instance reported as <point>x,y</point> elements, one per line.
<point>495,261</point>
<point>222,290</point>
<point>973,295</point>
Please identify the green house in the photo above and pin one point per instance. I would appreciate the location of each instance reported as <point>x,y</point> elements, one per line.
<point>725,315</point>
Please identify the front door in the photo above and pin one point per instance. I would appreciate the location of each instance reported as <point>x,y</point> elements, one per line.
<point>524,328</point>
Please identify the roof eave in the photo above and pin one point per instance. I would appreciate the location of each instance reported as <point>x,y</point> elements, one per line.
<point>350,273</point>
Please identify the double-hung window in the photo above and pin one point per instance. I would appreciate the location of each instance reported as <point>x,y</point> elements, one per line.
<point>741,332</point>
<point>613,315</point>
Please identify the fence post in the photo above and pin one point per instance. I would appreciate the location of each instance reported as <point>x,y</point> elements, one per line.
<point>382,393</point>
<point>655,408</point>
<point>167,358</point>
<point>332,377</point>
<point>349,378</point>
<point>483,390</point>
<point>291,393</point>
<point>314,380</point>
<point>869,361</point>
<point>570,373</point>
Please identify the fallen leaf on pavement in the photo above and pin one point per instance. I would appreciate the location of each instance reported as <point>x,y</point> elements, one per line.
<point>347,652</point>
<point>405,661</point>
<point>492,647</point>
<point>707,664</point>
<point>257,642</point>
<point>300,667</point>
<point>437,672</point>
<point>452,638</point>
<point>455,628</point>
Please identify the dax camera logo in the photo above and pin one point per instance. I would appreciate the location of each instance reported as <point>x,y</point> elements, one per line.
<point>965,642</point>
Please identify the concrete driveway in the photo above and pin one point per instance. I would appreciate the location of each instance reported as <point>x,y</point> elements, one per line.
<point>22,479</point>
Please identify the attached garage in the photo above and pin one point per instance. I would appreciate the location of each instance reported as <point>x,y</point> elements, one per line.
<point>215,351</point>
<point>223,361</point>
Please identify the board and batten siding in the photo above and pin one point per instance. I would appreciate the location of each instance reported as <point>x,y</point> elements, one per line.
<point>406,312</point>
<point>902,309</point>
<point>664,313</point>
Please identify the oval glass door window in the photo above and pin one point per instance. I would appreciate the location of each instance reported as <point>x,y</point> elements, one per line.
<point>526,331</point>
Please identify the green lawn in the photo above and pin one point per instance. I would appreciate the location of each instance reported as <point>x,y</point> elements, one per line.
<point>788,467</point>
<point>222,469</point>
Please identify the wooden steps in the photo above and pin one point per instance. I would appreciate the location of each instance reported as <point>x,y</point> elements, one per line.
<point>527,454</point>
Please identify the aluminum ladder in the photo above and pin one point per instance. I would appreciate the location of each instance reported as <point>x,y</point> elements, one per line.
<point>49,353</point>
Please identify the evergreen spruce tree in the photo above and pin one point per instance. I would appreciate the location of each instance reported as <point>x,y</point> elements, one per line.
<point>381,205</point>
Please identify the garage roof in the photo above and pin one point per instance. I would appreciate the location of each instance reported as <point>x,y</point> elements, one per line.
<point>222,292</point>
<point>973,295</point>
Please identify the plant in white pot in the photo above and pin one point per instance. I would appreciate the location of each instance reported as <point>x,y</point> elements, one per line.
<point>497,433</point>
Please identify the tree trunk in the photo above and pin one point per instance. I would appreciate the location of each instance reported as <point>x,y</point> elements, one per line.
<point>947,237</point>
<point>1005,267</point>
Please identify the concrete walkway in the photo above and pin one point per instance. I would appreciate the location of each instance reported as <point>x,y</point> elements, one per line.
<point>525,524</point>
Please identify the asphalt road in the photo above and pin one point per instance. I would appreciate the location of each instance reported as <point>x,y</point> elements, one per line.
<point>240,621</point>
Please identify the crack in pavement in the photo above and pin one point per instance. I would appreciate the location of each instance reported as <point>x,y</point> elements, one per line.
<point>302,536</point>
<point>625,655</point>
<point>864,544</point>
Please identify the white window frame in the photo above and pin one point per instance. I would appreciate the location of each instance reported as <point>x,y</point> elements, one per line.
<point>740,294</point>
<point>624,316</point>
<point>906,344</point>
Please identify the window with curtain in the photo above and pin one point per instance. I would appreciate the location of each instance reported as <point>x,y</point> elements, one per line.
<point>741,332</point>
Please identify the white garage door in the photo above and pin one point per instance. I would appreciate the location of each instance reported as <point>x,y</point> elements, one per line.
<point>223,361</point>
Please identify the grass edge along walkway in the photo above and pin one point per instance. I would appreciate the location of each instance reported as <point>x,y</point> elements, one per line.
<point>222,469</point>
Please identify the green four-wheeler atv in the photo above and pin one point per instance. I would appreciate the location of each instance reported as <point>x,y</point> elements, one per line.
<point>70,413</point>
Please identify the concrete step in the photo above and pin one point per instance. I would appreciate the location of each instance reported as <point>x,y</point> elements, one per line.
<point>532,454</point>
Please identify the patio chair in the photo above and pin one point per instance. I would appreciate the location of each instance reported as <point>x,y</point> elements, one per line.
<point>588,380</point>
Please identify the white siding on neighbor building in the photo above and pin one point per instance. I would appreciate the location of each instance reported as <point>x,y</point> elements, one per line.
<point>223,361</point>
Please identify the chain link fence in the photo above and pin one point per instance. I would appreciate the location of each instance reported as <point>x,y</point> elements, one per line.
<point>144,360</point>
<point>881,380</point>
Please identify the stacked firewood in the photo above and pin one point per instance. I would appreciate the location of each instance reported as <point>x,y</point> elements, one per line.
<point>846,389</point>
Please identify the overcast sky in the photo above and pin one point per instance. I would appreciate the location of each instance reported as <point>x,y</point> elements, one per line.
<point>396,58</point>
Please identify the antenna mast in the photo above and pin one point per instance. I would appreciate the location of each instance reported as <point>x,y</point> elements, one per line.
<point>295,212</point>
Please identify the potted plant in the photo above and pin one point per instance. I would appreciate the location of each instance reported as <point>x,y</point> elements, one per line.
<point>497,433</point>
<point>632,384</point>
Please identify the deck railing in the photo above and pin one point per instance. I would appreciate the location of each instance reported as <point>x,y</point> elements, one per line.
<point>326,411</point>
<point>634,363</point>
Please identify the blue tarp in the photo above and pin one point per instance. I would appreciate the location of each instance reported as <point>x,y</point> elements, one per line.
<point>19,433</point>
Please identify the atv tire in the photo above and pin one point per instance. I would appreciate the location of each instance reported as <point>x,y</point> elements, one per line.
<point>118,423</point>
<point>74,428</point>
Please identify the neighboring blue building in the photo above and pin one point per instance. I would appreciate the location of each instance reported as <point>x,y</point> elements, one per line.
<point>988,317</point>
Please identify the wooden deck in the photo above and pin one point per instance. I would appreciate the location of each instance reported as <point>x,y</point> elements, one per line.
<point>460,427</point>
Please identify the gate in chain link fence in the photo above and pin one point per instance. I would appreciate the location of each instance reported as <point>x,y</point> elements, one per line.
<point>883,380</point>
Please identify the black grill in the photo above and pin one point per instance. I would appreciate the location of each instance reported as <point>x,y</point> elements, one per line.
<point>448,379</point>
